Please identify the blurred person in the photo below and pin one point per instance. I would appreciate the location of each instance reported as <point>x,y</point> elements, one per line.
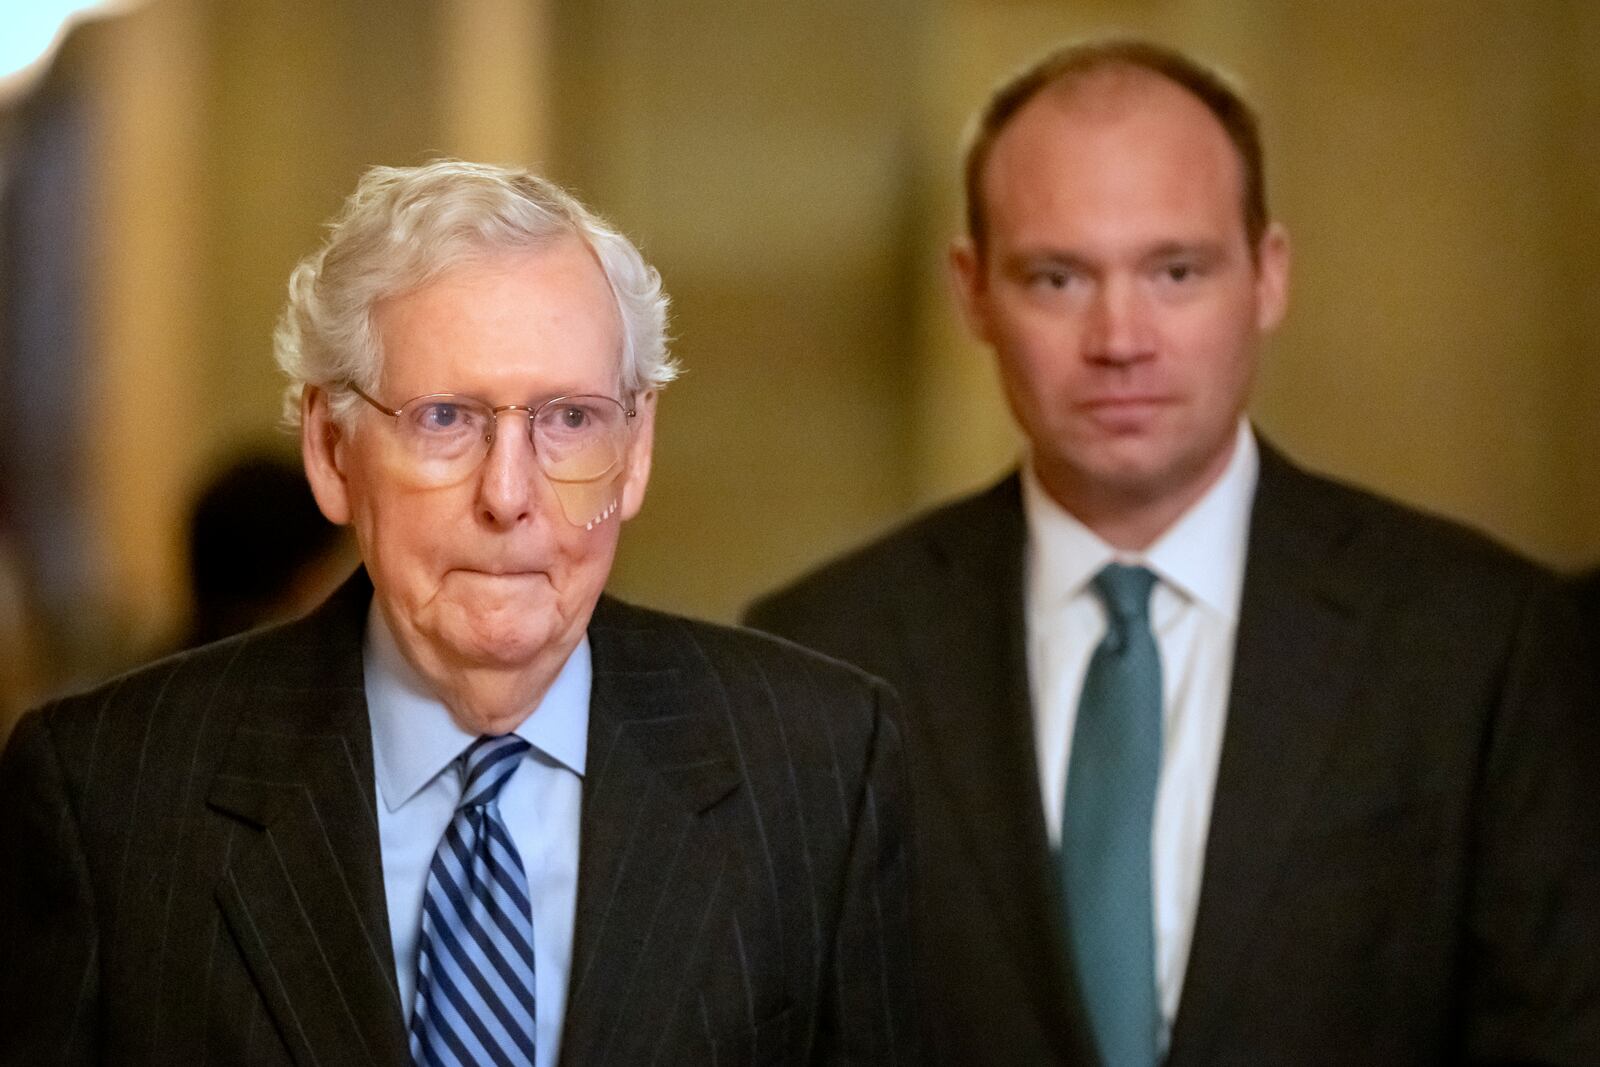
<point>1216,760</point>
<point>470,810</point>
<point>260,550</point>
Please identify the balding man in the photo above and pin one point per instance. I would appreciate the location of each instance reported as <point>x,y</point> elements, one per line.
<point>1219,762</point>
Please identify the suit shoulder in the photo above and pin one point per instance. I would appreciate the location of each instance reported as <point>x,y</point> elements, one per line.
<point>1416,546</point>
<point>139,691</point>
<point>725,648</point>
<point>175,699</point>
<point>898,558</point>
<point>787,705</point>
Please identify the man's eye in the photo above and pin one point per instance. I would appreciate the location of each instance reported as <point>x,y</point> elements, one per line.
<point>1052,279</point>
<point>568,419</point>
<point>1179,272</point>
<point>444,418</point>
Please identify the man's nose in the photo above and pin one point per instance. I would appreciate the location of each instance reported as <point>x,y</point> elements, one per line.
<point>1119,330</point>
<point>508,480</point>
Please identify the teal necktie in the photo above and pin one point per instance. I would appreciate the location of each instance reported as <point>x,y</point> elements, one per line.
<point>1106,822</point>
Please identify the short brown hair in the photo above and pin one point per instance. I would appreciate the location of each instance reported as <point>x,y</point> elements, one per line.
<point>1074,62</point>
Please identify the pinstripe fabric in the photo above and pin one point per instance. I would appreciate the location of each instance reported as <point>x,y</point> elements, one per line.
<point>764,854</point>
<point>189,860</point>
<point>475,989</point>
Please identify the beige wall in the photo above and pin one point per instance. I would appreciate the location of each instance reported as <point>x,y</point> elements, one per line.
<point>1443,340</point>
<point>227,133</point>
<point>792,169</point>
<point>763,162</point>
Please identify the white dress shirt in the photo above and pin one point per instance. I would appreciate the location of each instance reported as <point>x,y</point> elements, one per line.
<point>1194,611</point>
<point>414,744</point>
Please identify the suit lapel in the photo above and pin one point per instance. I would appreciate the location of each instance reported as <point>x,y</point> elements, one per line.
<point>980,732</point>
<point>1295,665</point>
<point>303,893</point>
<point>651,867</point>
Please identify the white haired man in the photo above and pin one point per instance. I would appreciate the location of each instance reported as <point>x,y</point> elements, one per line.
<point>469,811</point>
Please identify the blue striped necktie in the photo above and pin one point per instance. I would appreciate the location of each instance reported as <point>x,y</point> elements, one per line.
<point>475,991</point>
<point>1106,825</point>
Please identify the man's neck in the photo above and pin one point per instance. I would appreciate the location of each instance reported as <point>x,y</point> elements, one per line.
<point>492,700</point>
<point>484,698</point>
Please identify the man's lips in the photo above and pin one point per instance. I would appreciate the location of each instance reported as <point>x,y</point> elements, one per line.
<point>1120,414</point>
<point>508,571</point>
<point>1131,400</point>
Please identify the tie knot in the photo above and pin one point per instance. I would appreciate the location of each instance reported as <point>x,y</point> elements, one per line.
<point>489,762</point>
<point>1125,591</point>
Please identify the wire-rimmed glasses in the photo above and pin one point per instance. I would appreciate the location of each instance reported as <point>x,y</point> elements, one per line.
<point>446,436</point>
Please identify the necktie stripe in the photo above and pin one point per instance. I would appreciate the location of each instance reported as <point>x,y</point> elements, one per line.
<point>491,1032</point>
<point>456,850</point>
<point>496,891</point>
<point>475,999</point>
<point>472,956</point>
<point>450,1052</point>
<point>448,1047</point>
<point>502,868</point>
<point>486,782</point>
<point>456,911</point>
<point>487,769</point>
<point>460,967</point>
<point>458,1022</point>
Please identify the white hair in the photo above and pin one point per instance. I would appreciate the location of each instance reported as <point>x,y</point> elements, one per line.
<point>402,227</point>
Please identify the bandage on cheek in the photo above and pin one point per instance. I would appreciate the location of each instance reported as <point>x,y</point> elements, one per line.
<point>588,504</point>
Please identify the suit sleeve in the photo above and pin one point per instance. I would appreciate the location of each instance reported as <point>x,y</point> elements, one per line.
<point>869,1016</point>
<point>49,965</point>
<point>1533,946</point>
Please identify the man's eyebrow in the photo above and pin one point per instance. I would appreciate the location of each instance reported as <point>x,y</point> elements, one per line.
<point>1035,258</point>
<point>1207,250</point>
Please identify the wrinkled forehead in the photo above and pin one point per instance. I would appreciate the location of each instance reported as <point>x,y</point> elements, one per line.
<point>543,320</point>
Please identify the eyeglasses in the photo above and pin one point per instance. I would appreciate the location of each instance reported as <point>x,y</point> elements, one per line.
<point>446,436</point>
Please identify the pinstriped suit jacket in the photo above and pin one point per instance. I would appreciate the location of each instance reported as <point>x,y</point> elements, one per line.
<point>189,867</point>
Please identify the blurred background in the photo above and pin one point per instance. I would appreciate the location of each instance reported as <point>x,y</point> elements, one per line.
<point>792,170</point>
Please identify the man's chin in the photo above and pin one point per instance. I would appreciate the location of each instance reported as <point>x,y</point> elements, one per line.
<point>1153,473</point>
<point>1128,463</point>
<point>504,650</point>
<point>499,641</point>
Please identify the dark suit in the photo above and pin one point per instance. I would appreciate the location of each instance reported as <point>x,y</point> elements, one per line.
<point>1586,587</point>
<point>1403,863</point>
<point>189,860</point>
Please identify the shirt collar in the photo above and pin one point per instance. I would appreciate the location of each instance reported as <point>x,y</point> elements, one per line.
<point>1201,554</point>
<point>414,736</point>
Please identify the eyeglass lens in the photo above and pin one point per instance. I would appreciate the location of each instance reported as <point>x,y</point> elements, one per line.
<point>575,438</point>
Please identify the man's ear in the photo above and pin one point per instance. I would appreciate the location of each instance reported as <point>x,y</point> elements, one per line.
<point>322,447</point>
<point>1272,278</point>
<point>969,287</point>
<point>639,452</point>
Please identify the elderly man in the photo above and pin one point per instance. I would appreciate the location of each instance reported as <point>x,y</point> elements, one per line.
<point>470,811</point>
<point>1218,762</point>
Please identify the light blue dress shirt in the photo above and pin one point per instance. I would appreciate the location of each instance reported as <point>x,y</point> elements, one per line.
<point>414,744</point>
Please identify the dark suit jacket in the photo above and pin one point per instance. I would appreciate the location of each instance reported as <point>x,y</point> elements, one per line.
<point>189,860</point>
<point>1586,588</point>
<point>1403,863</point>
